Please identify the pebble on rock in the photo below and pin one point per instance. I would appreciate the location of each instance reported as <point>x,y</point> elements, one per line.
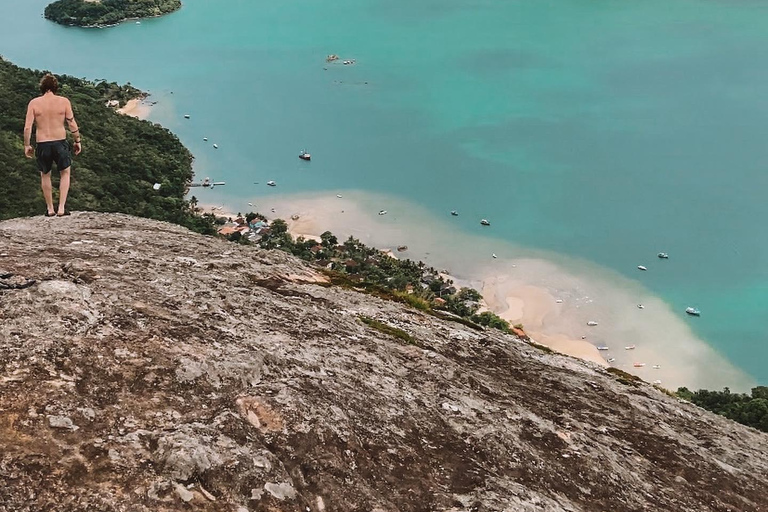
<point>62,422</point>
<point>185,494</point>
<point>281,491</point>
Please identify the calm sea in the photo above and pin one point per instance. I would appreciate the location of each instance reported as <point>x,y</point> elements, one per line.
<point>606,130</point>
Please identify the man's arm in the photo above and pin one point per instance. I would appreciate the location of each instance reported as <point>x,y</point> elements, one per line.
<point>28,130</point>
<point>70,117</point>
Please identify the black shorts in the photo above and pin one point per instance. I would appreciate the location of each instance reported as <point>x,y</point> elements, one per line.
<point>53,151</point>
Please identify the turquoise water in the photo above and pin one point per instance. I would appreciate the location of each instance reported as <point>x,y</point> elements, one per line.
<point>603,130</point>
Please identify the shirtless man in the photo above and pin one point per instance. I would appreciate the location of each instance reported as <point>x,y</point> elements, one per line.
<point>48,112</point>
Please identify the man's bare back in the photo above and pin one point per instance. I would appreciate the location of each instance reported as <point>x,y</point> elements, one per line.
<point>49,113</point>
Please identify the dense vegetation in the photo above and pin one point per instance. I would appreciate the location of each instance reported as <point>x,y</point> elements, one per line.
<point>355,264</point>
<point>751,410</point>
<point>122,157</point>
<point>84,13</point>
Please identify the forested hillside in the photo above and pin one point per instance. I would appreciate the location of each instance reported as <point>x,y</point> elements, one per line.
<point>122,157</point>
<point>106,12</point>
<point>750,410</point>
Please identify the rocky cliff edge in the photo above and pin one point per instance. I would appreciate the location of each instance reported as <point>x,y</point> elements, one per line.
<point>147,368</point>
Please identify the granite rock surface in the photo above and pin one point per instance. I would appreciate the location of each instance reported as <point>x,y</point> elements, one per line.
<point>147,368</point>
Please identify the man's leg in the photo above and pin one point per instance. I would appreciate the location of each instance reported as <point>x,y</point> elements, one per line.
<point>45,183</point>
<point>63,190</point>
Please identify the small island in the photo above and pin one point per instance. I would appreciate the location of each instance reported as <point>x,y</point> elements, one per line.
<point>99,13</point>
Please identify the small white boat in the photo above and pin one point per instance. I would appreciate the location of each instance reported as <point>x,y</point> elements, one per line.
<point>186,116</point>
<point>383,212</point>
<point>304,155</point>
<point>271,183</point>
<point>215,146</point>
<point>638,365</point>
<point>629,347</point>
<point>611,359</point>
<point>657,367</point>
<point>250,204</point>
<point>693,311</point>
<point>602,347</point>
<point>641,267</point>
<point>205,139</point>
<point>338,195</point>
<point>640,306</point>
<point>663,256</point>
<point>494,255</point>
<point>207,183</point>
<point>454,213</point>
<point>591,323</point>
<point>558,301</point>
<point>657,382</point>
<point>138,23</point>
<point>484,222</point>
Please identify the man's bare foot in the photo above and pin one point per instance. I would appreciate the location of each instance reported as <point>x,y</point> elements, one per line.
<point>62,213</point>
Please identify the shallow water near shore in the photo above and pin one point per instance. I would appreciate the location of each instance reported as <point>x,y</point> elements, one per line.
<point>591,135</point>
<point>562,293</point>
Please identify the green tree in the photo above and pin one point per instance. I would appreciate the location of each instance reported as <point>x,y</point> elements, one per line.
<point>749,410</point>
<point>491,319</point>
<point>328,240</point>
<point>760,392</point>
<point>278,227</point>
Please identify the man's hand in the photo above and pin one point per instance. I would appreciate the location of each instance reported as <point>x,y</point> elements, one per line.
<point>78,148</point>
<point>29,151</point>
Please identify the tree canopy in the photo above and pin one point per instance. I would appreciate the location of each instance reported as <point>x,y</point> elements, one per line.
<point>372,270</point>
<point>84,13</point>
<point>750,410</point>
<point>122,157</point>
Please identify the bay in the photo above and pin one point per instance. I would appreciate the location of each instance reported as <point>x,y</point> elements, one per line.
<point>602,131</point>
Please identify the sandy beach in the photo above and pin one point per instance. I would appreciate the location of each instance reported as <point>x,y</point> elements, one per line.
<point>534,307</point>
<point>553,297</point>
<point>137,107</point>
